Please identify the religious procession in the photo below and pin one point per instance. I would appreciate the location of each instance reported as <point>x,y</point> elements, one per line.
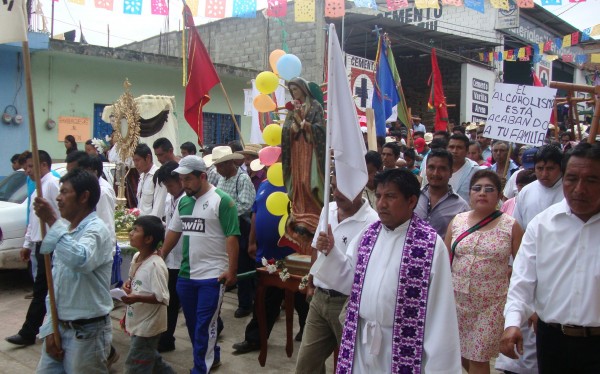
<point>426,216</point>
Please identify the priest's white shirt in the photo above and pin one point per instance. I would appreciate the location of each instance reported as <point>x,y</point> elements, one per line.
<point>535,198</point>
<point>105,209</point>
<point>343,232</point>
<point>373,349</point>
<point>556,271</point>
<point>151,197</point>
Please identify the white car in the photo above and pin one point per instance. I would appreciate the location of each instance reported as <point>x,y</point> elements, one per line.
<point>13,213</point>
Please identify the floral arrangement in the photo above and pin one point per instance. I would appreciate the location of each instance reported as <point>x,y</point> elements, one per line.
<point>274,266</point>
<point>124,219</point>
<point>101,145</point>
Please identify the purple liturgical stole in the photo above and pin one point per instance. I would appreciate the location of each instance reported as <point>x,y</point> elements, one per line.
<point>411,298</point>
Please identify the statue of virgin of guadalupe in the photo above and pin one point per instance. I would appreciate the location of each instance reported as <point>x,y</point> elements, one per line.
<point>303,159</point>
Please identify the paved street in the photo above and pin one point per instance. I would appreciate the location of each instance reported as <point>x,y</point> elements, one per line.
<point>13,307</point>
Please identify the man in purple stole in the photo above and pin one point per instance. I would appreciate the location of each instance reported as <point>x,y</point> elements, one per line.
<point>401,314</point>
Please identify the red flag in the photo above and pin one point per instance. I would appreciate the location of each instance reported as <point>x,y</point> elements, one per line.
<point>437,100</point>
<point>201,74</point>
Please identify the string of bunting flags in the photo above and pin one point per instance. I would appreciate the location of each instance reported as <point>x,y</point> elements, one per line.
<point>537,52</point>
<point>304,10</point>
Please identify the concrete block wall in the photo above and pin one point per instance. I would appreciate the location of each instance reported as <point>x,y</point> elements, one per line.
<point>247,43</point>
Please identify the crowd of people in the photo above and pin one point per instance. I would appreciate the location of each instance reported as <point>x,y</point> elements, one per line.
<point>460,250</point>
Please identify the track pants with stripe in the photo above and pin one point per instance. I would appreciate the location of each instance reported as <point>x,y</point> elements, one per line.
<point>201,302</point>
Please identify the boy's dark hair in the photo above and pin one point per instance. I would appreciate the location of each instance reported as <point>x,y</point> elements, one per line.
<point>443,133</point>
<point>163,143</point>
<point>462,138</point>
<point>441,153</point>
<point>15,158</point>
<point>374,158</point>
<point>548,153</point>
<point>96,164</point>
<point>83,180</point>
<point>404,179</point>
<point>165,172</point>
<point>526,176</point>
<point>460,129</point>
<point>143,150</point>
<point>189,147</point>
<point>410,153</point>
<point>76,156</point>
<point>152,226</point>
<point>44,157</point>
<point>394,147</point>
<point>438,143</point>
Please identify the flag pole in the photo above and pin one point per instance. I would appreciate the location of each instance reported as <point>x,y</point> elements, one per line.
<point>38,186</point>
<point>327,172</point>
<point>237,127</point>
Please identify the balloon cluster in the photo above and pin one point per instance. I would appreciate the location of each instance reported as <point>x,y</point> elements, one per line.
<point>286,66</point>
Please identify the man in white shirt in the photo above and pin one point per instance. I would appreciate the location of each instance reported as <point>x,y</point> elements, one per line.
<point>174,187</point>
<point>401,314</point>
<point>33,241</point>
<point>555,275</point>
<point>163,150</point>
<point>323,330</point>
<point>418,126</point>
<point>151,195</point>
<point>547,190</point>
<point>526,156</point>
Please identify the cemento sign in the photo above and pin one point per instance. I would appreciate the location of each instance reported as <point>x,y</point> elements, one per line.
<point>362,75</point>
<point>520,114</point>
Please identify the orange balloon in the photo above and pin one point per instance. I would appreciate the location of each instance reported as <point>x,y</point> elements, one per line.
<point>263,103</point>
<point>274,57</point>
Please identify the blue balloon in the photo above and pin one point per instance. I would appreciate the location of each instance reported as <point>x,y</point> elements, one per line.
<point>289,66</point>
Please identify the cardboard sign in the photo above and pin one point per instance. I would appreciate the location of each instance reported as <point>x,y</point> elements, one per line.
<point>520,114</point>
<point>79,127</point>
<point>362,75</point>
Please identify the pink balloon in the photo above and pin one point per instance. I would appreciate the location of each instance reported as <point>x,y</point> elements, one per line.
<point>269,155</point>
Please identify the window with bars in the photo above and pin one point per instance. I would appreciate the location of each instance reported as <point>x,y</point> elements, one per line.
<point>219,128</point>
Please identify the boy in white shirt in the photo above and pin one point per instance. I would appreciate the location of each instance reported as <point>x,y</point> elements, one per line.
<point>147,298</point>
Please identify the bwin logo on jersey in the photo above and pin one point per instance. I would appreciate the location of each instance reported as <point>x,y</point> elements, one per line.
<point>192,224</point>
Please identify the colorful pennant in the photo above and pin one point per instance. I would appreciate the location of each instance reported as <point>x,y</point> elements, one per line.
<point>425,4</point>
<point>567,58</point>
<point>595,58</point>
<point>78,2</point>
<point>132,7</point>
<point>558,43</point>
<point>193,4</point>
<point>595,31</point>
<point>396,4</point>
<point>335,8</point>
<point>575,38</point>
<point>500,4</point>
<point>277,8</point>
<point>244,9</point>
<point>104,4</point>
<point>551,2</point>
<point>159,7</point>
<point>365,4</point>
<point>215,9</point>
<point>304,10</point>
<point>476,5</point>
<point>525,3</point>
<point>566,42</point>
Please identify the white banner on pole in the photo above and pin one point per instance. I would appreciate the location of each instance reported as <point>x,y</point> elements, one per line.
<point>520,114</point>
<point>13,18</point>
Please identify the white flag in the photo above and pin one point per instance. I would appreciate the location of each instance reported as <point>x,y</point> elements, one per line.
<point>342,122</point>
<point>13,18</point>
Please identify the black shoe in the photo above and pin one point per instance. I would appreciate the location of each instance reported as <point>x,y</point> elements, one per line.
<point>162,348</point>
<point>241,312</point>
<point>298,337</point>
<point>245,347</point>
<point>216,365</point>
<point>19,340</point>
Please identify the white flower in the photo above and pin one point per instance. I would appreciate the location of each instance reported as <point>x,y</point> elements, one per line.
<point>272,269</point>
<point>264,261</point>
<point>284,275</point>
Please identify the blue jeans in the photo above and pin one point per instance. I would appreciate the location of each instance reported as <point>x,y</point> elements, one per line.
<point>143,357</point>
<point>86,349</point>
<point>201,302</point>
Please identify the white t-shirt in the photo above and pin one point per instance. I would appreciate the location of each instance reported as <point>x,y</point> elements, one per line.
<point>151,278</point>
<point>173,260</point>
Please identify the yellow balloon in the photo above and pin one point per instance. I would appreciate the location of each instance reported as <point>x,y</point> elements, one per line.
<point>272,134</point>
<point>274,57</point>
<point>282,223</point>
<point>264,103</point>
<point>267,82</point>
<point>275,174</point>
<point>277,203</point>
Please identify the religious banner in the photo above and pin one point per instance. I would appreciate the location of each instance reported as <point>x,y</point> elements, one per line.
<point>520,114</point>
<point>362,75</point>
<point>14,21</point>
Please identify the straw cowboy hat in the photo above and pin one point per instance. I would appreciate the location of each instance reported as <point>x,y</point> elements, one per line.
<point>223,153</point>
<point>428,137</point>
<point>472,127</point>
<point>251,149</point>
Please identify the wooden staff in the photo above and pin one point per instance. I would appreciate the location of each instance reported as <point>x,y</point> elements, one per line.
<point>409,128</point>
<point>595,120</point>
<point>237,127</point>
<point>38,186</point>
<point>507,164</point>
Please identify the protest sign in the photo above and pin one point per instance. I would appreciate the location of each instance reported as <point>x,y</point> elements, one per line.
<point>520,114</point>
